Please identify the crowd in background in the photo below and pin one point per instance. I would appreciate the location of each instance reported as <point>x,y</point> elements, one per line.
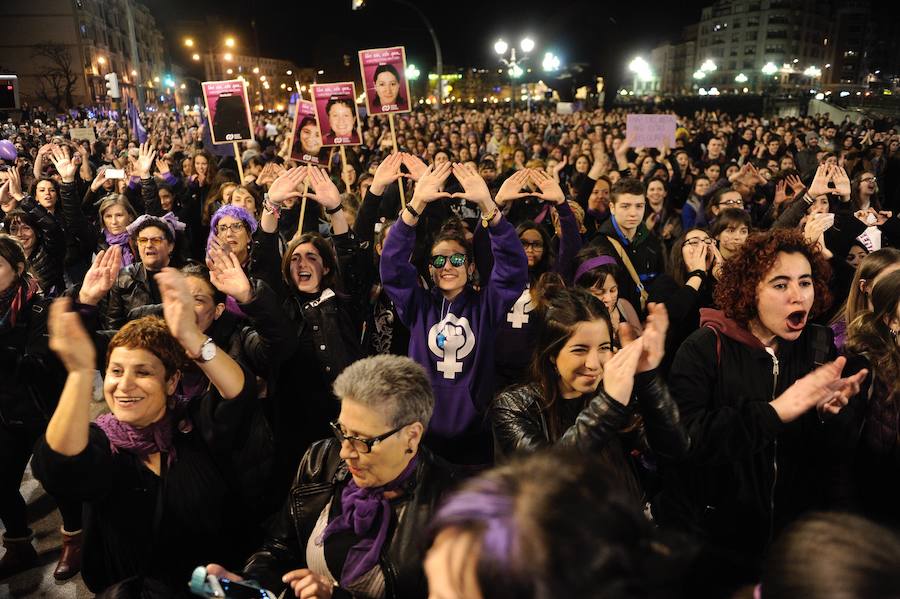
<point>501,353</point>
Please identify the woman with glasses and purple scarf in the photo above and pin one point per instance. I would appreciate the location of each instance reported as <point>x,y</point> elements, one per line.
<point>354,522</point>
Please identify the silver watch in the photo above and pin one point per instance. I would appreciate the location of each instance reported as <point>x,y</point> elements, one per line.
<point>207,351</point>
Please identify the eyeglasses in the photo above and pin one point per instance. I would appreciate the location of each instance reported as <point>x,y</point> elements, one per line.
<point>15,229</point>
<point>438,260</point>
<point>731,203</point>
<point>697,241</point>
<point>234,227</point>
<point>359,444</point>
<point>142,241</point>
<point>867,179</point>
<point>534,245</point>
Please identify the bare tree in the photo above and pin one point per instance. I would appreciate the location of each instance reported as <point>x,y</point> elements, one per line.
<point>58,79</point>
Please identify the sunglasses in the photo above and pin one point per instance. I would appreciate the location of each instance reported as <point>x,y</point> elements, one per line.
<point>438,261</point>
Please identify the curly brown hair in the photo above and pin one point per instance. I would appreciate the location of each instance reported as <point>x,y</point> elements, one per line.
<point>150,333</point>
<point>736,290</point>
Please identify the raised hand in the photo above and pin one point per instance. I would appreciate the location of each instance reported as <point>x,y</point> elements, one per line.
<point>780,192</point>
<point>178,309</point>
<point>68,337</point>
<point>144,162</point>
<point>15,183</point>
<point>287,185</point>
<point>512,187</point>
<point>227,276</point>
<point>550,189</point>
<point>559,167</point>
<point>653,337</point>
<point>476,190</point>
<point>841,181</point>
<point>694,256</point>
<point>162,166</point>
<point>428,188</point>
<point>99,180</point>
<point>5,196</point>
<point>796,185</point>
<point>326,192</point>
<point>63,164</point>
<point>816,225</point>
<point>819,185</point>
<point>822,388</point>
<point>101,276</point>
<point>619,371</point>
<point>387,172</point>
<point>414,165</point>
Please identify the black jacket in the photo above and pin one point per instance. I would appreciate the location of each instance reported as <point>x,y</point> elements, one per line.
<point>646,253</point>
<point>519,424</point>
<point>32,377</point>
<point>47,259</point>
<point>747,473</point>
<point>320,478</point>
<point>131,290</point>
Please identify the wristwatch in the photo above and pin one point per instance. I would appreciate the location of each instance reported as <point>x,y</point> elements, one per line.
<point>207,351</point>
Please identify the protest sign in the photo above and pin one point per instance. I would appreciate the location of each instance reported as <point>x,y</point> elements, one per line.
<point>83,133</point>
<point>384,79</point>
<point>650,130</point>
<point>336,113</point>
<point>229,111</point>
<point>306,142</point>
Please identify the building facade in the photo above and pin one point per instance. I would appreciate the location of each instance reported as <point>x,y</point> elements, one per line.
<point>61,49</point>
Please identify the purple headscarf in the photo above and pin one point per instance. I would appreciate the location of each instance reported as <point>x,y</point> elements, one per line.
<point>235,212</point>
<point>367,513</point>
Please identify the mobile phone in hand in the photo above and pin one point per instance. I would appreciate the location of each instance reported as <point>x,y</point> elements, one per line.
<point>114,173</point>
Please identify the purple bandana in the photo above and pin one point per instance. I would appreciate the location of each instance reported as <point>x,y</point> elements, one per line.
<point>120,240</point>
<point>143,442</point>
<point>365,512</point>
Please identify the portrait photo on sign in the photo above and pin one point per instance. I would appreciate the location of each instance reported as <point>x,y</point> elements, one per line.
<point>229,111</point>
<point>336,113</point>
<point>384,77</point>
<point>307,141</point>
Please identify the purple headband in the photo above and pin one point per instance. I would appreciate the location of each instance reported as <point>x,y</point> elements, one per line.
<point>235,212</point>
<point>490,506</point>
<point>168,220</point>
<point>593,263</point>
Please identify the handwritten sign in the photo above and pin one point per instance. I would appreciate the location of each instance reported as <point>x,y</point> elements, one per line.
<point>83,133</point>
<point>651,130</point>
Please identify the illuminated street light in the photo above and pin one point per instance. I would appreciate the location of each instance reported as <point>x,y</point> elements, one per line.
<point>101,60</point>
<point>813,72</point>
<point>551,62</point>
<point>227,56</point>
<point>527,45</point>
<point>229,41</point>
<point>699,75</point>
<point>708,66</point>
<point>412,73</point>
<point>255,70</point>
<point>770,68</point>
<point>641,69</point>
<point>289,72</point>
<point>156,80</point>
<point>195,56</point>
<point>515,71</point>
<point>133,73</point>
<point>229,72</point>
<point>741,78</point>
<point>500,47</point>
<point>189,42</point>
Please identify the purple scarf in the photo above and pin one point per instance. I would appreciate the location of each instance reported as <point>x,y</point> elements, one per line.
<point>143,442</point>
<point>121,240</point>
<point>366,513</point>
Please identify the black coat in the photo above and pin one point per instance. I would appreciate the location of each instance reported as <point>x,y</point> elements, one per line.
<point>32,377</point>
<point>131,290</point>
<point>646,253</point>
<point>320,478</point>
<point>747,473</point>
<point>48,256</point>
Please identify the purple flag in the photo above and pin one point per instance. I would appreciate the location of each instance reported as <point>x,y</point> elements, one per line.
<point>134,120</point>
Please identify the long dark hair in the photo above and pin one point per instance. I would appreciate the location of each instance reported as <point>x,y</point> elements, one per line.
<point>542,265</point>
<point>872,337</point>
<point>677,269</point>
<point>11,250</point>
<point>561,309</point>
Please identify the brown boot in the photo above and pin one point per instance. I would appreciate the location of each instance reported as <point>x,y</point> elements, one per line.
<point>70,559</point>
<point>20,555</point>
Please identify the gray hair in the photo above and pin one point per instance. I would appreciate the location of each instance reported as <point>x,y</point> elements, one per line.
<point>393,385</point>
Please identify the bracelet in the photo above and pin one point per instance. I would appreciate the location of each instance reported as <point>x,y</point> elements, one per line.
<point>270,207</point>
<point>698,273</point>
<point>486,220</point>
<point>808,198</point>
<point>412,210</point>
<point>334,210</point>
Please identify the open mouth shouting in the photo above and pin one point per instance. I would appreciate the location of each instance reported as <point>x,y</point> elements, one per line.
<point>796,320</point>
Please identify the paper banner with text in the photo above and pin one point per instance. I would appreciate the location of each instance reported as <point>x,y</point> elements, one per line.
<point>83,133</point>
<point>650,130</point>
<point>307,141</point>
<point>384,79</point>
<point>229,111</point>
<point>336,113</point>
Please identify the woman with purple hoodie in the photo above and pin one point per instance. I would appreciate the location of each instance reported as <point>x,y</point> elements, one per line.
<point>452,326</point>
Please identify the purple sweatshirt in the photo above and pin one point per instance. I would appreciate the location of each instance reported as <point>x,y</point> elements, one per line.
<point>454,341</point>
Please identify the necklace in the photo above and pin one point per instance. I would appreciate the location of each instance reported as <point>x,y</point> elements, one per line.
<point>441,337</point>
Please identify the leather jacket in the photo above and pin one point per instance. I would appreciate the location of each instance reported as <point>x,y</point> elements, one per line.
<point>600,427</point>
<point>321,476</point>
<point>131,290</point>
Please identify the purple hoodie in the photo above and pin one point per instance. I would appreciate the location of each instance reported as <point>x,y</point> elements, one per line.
<point>454,341</point>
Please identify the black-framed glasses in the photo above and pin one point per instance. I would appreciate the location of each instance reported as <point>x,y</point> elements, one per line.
<point>534,245</point>
<point>697,241</point>
<point>359,444</point>
<point>234,227</point>
<point>439,260</point>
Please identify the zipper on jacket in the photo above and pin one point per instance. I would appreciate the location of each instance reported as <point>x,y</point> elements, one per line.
<point>775,372</point>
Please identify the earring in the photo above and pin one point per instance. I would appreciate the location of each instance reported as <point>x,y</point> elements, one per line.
<point>409,450</point>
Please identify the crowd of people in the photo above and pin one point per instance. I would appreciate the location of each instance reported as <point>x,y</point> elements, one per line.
<point>499,353</point>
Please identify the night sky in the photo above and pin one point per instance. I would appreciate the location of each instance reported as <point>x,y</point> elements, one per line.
<point>605,36</point>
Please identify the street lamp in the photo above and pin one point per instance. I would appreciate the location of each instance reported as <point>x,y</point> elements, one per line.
<point>551,62</point>
<point>412,72</point>
<point>813,72</point>
<point>527,45</point>
<point>741,78</point>
<point>228,56</point>
<point>513,63</point>
<point>189,42</point>
<point>500,47</point>
<point>195,57</point>
<point>698,75</point>
<point>229,42</point>
<point>770,68</point>
<point>641,70</point>
<point>708,66</point>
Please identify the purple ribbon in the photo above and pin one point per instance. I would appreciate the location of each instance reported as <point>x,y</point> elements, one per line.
<point>168,219</point>
<point>593,263</point>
